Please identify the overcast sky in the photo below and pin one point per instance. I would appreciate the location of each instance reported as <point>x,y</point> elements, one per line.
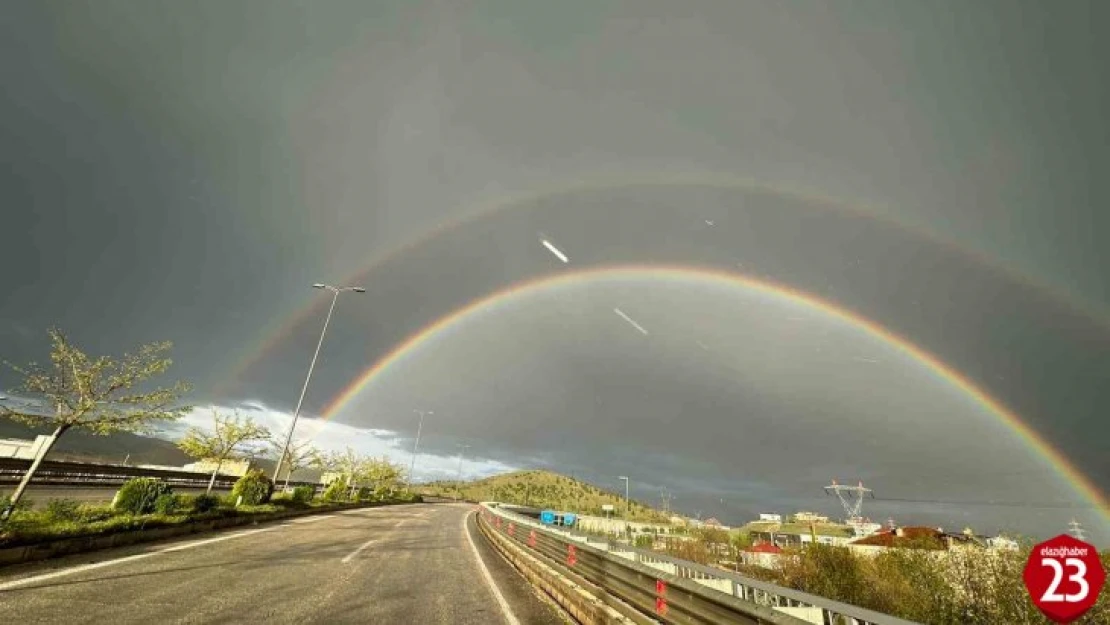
<point>185,171</point>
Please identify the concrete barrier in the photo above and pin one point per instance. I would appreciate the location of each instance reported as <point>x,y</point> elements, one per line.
<point>82,544</point>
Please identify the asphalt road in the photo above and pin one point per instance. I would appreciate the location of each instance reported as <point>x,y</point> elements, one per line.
<point>412,564</point>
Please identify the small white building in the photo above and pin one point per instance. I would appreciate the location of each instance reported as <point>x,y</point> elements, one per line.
<point>771,518</point>
<point>237,468</point>
<point>21,448</point>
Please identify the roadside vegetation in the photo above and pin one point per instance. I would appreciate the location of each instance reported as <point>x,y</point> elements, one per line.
<point>918,582</point>
<point>542,489</point>
<point>148,503</point>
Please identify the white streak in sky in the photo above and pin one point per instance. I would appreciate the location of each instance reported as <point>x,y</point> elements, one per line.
<point>862,359</point>
<point>703,345</point>
<point>554,250</point>
<point>630,320</point>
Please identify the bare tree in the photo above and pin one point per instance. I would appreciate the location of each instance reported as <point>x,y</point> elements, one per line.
<point>231,435</point>
<point>99,395</point>
<point>299,455</point>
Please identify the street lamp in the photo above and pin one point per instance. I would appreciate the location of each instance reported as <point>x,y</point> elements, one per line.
<point>458,474</point>
<point>335,290</point>
<point>627,504</point>
<point>416,443</point>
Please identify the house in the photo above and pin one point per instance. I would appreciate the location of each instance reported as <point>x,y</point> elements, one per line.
<point>765,555</point>
<point>798,534</point>
<point>715,524</point>
<point>931,538</point>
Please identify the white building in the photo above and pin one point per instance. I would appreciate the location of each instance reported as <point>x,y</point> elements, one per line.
<point>21,448</point>
<point>237,468</point>
<point>771,518</point>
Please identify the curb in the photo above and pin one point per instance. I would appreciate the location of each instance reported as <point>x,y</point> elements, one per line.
<point>83,544</point>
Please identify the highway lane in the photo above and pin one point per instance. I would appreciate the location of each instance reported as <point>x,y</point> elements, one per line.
<point>399,564</point>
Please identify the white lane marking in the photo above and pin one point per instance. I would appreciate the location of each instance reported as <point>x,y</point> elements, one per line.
<point>504,605</point>
<point>76,569</point>
<point>97,565</point>
<point>350,556</point>
<point>313,519</point>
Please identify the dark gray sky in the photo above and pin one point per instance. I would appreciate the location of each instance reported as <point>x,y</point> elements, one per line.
<point>184,170</point>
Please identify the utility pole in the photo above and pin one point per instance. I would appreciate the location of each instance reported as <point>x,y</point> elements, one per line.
<point>666,495</point>
<point>416,443</point>
<point>627,503</point>
<point>1076,530</point>
<point>458,474</point>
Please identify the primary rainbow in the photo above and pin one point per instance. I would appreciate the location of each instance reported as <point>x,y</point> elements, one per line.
<point>281,326</point>
<point>1036,443</point>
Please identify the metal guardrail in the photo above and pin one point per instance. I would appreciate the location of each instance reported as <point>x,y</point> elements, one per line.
<point>670,589</point>
<point>92,475</point>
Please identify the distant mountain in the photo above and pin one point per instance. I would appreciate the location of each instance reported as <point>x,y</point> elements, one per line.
<point>78,445</point>
<point>542,489</point>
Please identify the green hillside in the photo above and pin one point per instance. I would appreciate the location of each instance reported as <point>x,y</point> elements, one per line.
<point>543,489</point>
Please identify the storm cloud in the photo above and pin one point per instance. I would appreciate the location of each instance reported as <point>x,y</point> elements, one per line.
<point>186,171</point>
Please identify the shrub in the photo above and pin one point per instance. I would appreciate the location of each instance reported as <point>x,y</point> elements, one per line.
<point>91,513</point>
<point>303,494</point>
<point>138,495</point>
<point>25,503</point>
<point>205,503</point>
<point>165,504</point>
<point>62,510</point>
<point>254,487</point>
<point>336,491</point>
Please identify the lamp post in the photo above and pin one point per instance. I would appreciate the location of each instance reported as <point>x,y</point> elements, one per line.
<point>416,443</point>
<point>335,290</point>
<point>458,474</point>
<point>627,504</point>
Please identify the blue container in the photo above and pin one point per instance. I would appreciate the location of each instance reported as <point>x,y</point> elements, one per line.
<point>569,518</point>
<point>547,517</point>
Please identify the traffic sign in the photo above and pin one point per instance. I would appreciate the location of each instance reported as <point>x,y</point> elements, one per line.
<point>1064,577</point>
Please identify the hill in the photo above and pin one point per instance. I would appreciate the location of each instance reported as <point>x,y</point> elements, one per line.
<point>81,446</point>
<point>543,489</point>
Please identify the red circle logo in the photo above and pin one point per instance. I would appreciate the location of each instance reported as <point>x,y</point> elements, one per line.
<point>1064,577</point>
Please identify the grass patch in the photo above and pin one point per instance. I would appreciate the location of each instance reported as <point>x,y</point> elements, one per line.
<point>68,519</point>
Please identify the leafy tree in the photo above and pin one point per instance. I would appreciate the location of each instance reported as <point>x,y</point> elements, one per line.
<point>231,435</point>
<point>385,476</point>
<point>346,463</point>
<point>101,395</point>
<point>299,455</point>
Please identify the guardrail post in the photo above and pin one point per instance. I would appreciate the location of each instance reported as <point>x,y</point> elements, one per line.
<point>660,597</point>
<point>572,555</point>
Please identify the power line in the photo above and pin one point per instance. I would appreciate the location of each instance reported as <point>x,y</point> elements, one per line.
<point>995,503</point>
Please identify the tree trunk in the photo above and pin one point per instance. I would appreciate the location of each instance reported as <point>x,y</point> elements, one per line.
<point>212,482</point>
<point>26,481</point>
<point>288,473</point>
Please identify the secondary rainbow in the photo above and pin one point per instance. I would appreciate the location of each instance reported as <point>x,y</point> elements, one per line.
<point>1041,447</point>
<point>281,326</point>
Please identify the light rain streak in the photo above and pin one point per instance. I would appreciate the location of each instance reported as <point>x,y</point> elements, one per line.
<point>631,321</point>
